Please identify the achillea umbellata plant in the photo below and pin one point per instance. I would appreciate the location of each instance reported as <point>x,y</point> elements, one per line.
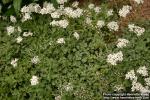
<point>69,52</point>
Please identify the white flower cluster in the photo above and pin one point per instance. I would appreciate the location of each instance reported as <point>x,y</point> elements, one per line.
<point>147,80</point>
<point>118,87</point>
<point>73,13</point>
<point>61,23</point>
<point>75,4</point>
<point>124,11</point>
<point>122,43</point>
<point>100,23</point>
<point>14,62</point>
<point>34,80</point>
<point>139,1</point>
<point>25,9</point>
<point>48,8</point>
<point>26,16</point>
<point>110,12</point>
<point>131,75</point>
<point>136,29</point>
<point>56,14</point>
<point>19,39</point>
<point>143,71</point>
<point>13,19</point>
<point>76,35</point>
<point>58,97</point>
<point>26,34</point>
<point>113,26</point>
<point>97,9</point>
<point>115,57</point>
<point>68,87</point>
<point>19,29</point>
<point>88,21</point>
<point>35,60</point>
<point>10,30</point>
<point>60,41</point>
<point>91,6</point>
<point>61,1</point>
<point>136,86</point>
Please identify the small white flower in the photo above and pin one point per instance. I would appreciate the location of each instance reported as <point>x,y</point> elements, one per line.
<point>19,29</point>
<point>91,6</point>
<point>73,13</point>
<point>78,12</point>
<point>68,11</point>
<point>13,19</point>
<point>60,40</point>
<point>48,8</point>
<point>124,11</point>
<point>122,43</point>
<point>55,14</point>
<point>113,26</point>
<point>110,12</point>
<point>35,60</point>
<point>25,9</point>
<point>26,16</point>
<point>31,7</point>
<point>76,35</point>
<point>37,8</point>
<point>58,98</point>
<point>131,75</point>
<point>43,11</point>
<point>147,80</point>
<point>10,30</point>
<point>88,21</point>
<point>26,34</point>
<point>131,27</point>
<point>19,39</point>
<point>4,17</point>
<point>118,87</point>
<point>34,80</point>
<point>97,9</point>
<point>61,1</point>
<point>14,62</point>
<point>68,87</point>
<point>61,8</point>
<point>136,29</point>
<point>143,71</point>
<point>139,1</point>
<point>100,23</point>
<point>75,4</point>
<point>136,86</point>
<point>63,23</point>
<point>54,23</point>
<point>115,57</point>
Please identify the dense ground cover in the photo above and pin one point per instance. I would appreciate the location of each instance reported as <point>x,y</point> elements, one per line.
<point>71,53</point>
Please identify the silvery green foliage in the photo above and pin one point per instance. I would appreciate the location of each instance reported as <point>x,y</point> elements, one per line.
<point>67,59</point>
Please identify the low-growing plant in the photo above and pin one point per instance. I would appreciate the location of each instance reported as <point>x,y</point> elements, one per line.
<point>69,53</point>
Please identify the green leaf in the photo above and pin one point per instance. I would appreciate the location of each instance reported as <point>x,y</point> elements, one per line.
<point>10,11</point>
<point>17,5</point>
<point>6,1</point>
<point>54,2</point>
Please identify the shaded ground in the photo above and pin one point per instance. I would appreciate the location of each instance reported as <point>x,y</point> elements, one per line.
<point>145,11</point>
